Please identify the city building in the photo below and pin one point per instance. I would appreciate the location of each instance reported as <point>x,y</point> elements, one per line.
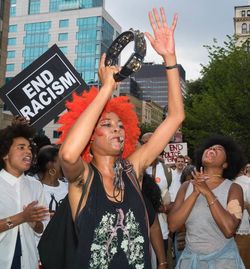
<point>242,24</point>
<point>82,29</point>
<point>149,83</point>
<point>148,112</point>
<point>5,119</point>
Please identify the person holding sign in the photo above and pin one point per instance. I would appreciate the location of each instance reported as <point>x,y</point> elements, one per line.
<point>111,219</point>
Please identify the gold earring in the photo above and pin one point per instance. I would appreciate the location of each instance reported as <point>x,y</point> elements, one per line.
<point>52,172</point>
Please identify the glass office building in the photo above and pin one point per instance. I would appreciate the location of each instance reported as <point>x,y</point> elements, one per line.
<point>82,29</point>
<point>150,83</point>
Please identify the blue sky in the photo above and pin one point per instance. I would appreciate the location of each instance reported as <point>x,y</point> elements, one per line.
<point>200,21</point>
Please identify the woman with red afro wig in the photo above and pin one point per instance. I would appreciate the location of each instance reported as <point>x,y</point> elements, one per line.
<point>99,159</point>
<point>119,105</point>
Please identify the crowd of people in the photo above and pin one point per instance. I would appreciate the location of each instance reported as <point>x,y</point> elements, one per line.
<point>129,208</point>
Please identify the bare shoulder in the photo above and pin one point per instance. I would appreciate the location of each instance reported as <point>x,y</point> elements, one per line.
<point>235,188</point>
<point>76,189</point>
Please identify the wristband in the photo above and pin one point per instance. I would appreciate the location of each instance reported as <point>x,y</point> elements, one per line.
<point>171,67</point>
<point>212,203</point>
<point>162,263</point>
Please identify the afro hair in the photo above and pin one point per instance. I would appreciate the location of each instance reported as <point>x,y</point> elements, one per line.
<point>234,154</point>
<point>7,136</point>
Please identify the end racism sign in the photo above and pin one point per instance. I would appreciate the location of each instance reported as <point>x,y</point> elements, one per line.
<point>39,92</point>
<point>173,150</point>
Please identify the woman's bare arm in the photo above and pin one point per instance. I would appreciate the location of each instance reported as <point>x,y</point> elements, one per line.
<point>163,43</point>
<point>81,132</point>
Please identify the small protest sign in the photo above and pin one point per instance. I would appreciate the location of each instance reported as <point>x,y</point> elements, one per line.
<point>173,150</point>
<point>39,91</point>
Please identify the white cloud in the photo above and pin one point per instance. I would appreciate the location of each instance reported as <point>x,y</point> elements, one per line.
<point>199,22</point>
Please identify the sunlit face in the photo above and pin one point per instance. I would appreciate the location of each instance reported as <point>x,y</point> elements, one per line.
<point>180,163</point>
<point>109,135</point>
<point>216,154</point>
<point>19,157</point>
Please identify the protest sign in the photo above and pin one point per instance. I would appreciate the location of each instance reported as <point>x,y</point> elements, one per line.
<point>39,92</point>
<point>173,150</point>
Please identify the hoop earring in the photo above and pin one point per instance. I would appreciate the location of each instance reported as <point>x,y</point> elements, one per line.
<point>52,172</point>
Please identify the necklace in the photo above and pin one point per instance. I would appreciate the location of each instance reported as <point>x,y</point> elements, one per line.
<point>117,191</point>
<point>217,176</point>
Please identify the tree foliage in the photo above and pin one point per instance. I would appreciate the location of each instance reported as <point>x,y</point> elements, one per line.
<point>146,128</point>
<point>219,101</point>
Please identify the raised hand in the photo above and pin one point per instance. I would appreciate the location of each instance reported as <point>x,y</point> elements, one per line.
<point>106,73</point>
<point>163,40</point>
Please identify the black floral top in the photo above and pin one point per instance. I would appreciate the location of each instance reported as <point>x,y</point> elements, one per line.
<point>112,234</point>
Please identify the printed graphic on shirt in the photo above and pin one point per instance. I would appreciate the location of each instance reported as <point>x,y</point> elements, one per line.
<point>53,204</point>
<point>105,243</point>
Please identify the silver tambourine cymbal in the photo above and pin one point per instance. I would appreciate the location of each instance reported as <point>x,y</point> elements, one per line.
<point>135,61</point>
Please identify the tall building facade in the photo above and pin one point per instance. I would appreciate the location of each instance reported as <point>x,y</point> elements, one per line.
<point>4,25</point>
<point>149,83</point>
<point>82,29</point>
<point>242,24</point>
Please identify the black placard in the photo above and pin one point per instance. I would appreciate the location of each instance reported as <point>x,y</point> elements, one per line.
<point>39,92</point>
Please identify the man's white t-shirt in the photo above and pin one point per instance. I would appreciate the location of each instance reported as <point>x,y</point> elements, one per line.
<point>54,195</point>
<point>175,185</point>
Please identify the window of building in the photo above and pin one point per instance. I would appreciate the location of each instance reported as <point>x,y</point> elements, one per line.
<point>244,28</point>
<point>248,13</point>
<point>12,8</point>
<point>11,54</point>
<point>34,7</point>
<point>91,3</point>
<point>243,13</point>
<point>35,41</point>
<point>63,23</point>
<point>12,41</point>
<point>56,134</point>
<point>13,28</point>
<point>10,67</point>
<point>63,37</point>
<point>64,49</point>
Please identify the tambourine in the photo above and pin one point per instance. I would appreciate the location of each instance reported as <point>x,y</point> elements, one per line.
<point>134,63</point>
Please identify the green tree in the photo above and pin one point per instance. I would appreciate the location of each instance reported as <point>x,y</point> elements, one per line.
<point>219,102</point>
<point>146,128</point>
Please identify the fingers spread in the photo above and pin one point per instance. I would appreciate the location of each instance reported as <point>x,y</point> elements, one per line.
<point>157,18</point>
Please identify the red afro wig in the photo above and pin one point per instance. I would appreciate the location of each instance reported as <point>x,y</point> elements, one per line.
<point>119,105</point>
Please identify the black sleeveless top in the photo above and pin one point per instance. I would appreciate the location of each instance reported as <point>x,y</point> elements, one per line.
<point>112,235</point>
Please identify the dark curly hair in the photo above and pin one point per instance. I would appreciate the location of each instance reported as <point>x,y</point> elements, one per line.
<point>234,154</point>
<point>45,155</point>
<point>7,136</point>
